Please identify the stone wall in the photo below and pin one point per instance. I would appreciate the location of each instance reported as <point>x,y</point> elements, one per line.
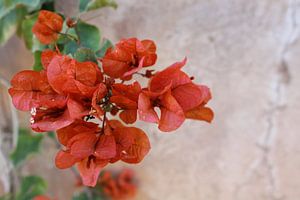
<point>248,53</point>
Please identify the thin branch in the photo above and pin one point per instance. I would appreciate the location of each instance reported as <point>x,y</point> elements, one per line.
<point>4,81</point>
<point>14,115</point>
<point>15,135</point>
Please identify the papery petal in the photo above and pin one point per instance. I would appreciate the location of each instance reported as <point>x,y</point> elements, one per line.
<point>41,197</point>
<point>98,95</point>
<point>82,145</point>
<point>138,149</point>
<point>114,62</point>
<point>46,57</point>
<point>79,126</point>
<point>47,27</point>
<point>89,170</point>
<point>136,69</point>
<point>44,34</point>
<point>206,94</point>
<point>76,109</point>
<point>51,123</point>
<point>123,141</point>
<point>27,87</point>
<point>130,91</point>
<point>188,96</point>
<point>61,75</point>
<point>64,160</point>
<point>172,115</point>
<point>149,49</point>
<point>128,45</point>
<point>106,147</point>
<point>123,102</point>
<point>173,73</point>
<point>145,109</point>
<point>115,124</point>
<point>51,101</point>
<point>84,89</point>
<point>87,73</point>
<point>200,113</point>
<point>128,116</point>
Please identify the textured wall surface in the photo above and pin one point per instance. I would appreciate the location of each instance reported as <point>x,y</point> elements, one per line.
<point>247,52</point>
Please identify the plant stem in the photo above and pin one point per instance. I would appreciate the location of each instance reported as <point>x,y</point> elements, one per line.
<point>70,36</point>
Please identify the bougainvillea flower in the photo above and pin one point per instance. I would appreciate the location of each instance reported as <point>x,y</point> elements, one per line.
<point>63,113</point>
<point>126,98</point>
<point>46,57</point>
<point>47,26</point>
<point>118,186</point>
<point>132,143</point>
<point>78,126</point>
<point>98,99</point>
<point>27,87</point>
<point>89,170</point>
<point>126,56</point>
<point>66,75</point>
<point>41,197</point>
<point>172,115</point>
<point>177,96</point>
<point>88,146</point>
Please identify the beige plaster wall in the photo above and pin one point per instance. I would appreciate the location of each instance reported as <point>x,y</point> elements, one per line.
<point>248,53</point>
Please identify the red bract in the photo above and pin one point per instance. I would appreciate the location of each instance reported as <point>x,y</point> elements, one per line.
<point>66,94</point>
<point>85,146</point>
<point>177,96</point>
<point>98,100</point>
<point>92,148</point>
<point>126,98</point>
<point>46,57</point>
<point>27,88</point>
<point>47,27</point>
<point>61,114</point>
<point>132,143</point>
<point>128,56</point>
<point>41,197</point>
<point>68,76</point>
<point>118,186</point>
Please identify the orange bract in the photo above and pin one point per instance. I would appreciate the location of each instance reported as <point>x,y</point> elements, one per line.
<point>66,94</point>
<point>128,56</point>
<point>177,96</point>
<point>47,27</point>
<point>92,148</point>
<point>118,186</point>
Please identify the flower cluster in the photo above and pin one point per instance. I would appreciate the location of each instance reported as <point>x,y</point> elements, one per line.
<point>82,100</point>
<point>118,186</point>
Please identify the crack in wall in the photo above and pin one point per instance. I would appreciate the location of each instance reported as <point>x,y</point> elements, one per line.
<point>281,80</point>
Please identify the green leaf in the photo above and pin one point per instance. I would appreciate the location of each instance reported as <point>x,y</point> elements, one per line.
<point>37,61</point>
<point>81,196</point>
<point>51,135</point>
<point>6,197</point>
<point>88,35</point>
<point>27,34</point>
<point>70,47</point>
<point>29,4</point>
<point>27,145</point>
<point>10,21</point>
<point>31,42</point>
<point>31,186</point>
<point>85,54</point>
<point>87,5</point>
<point>12,13</point>
<point>84,196</point>
<point>106,44</point>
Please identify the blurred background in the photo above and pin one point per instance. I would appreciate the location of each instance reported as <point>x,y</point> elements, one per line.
<point>247,52</point>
